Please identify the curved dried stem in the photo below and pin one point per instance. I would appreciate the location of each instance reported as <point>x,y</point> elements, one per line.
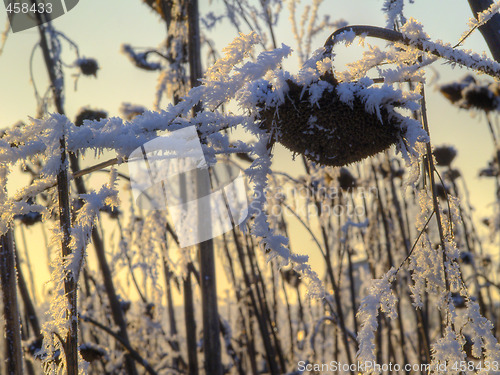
<point>446,52</point>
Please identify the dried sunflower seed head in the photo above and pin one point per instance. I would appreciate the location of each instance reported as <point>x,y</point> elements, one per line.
<point>130,111</point>
<point>444,155</point>
<point>479,97</point>
<point>89,114</point>
<point>442,191</point>
<point>469,94</point>
<point>91,352</point>
<point>315,122</point>
<point>453,91</point>
<point>346,180</point>
<point>452,174</point>
<point>88,67</point>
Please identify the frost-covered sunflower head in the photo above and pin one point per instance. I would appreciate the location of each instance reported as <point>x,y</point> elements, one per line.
<point>334,123</point>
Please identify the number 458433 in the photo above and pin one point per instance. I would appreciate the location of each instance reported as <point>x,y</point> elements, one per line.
<point>472,366</point>
<point>24,8</point>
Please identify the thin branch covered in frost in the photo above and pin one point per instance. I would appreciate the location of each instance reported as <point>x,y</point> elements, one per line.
<point>275,244</point>
<point>482,337</point>
<point>482,18</point>
<point>426,264</point>
<point>412,35</point>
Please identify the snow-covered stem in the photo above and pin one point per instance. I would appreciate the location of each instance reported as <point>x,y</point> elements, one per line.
<point>116,310</point>
<point>398,208</point>
<point>190,323</point>
<point>206,255</point>
<point>172,322</point>
<point>386,219</point>
<point>70,283</point>
<point>445,51</point>
<point>8,283</point>
<point>431,171</point>
<point>231,271</point>
<point>29,305</point>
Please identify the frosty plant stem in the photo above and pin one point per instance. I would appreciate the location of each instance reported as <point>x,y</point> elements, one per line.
<point>431,167</point>
<point>70,284</point>
<point>13,348</point>
<point>114,303</point>
<point>447,52</point>
<point>206,256</point>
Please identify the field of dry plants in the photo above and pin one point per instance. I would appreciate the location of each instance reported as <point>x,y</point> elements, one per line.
<point>364,256</point>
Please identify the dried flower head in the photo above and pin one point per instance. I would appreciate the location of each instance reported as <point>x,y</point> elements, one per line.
<point>493,168</point>
<point>469,94</point>
<point>453,91</point>
<point>346,180</point>
<point>458,300</point>
<point>89,114</point>
<point>130,111</point>
<point>33,345</point>
<point>88,67</point>
<point>91,352</point>
<point>442,191</point>
<point>452,174</point>
<point>292,277</point>
<point>328,130</point>
<point>489,172</point>
<point>140,59</point>
<point>30,218</point>
<point>444,155</point>
<point>387,170</point>
<point>466,257</point>
<point>479,97</point>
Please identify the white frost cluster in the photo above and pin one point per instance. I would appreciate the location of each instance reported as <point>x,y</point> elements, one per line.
<point>380,297</point>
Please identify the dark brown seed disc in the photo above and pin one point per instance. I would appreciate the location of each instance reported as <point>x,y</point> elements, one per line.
<point>330,132</point>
